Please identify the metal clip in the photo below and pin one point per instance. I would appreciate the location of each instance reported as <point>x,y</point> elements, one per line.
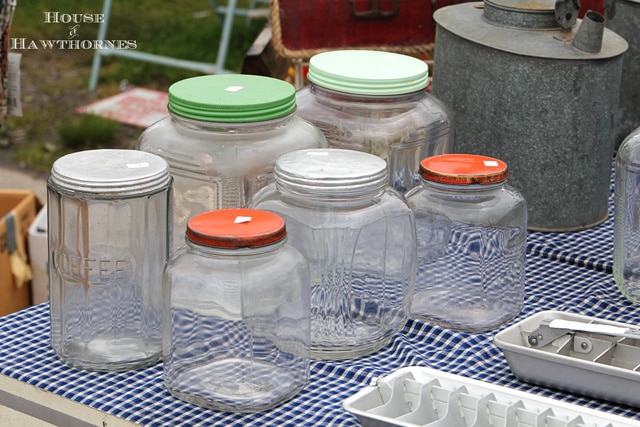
<point>545,335</point>
<point>374,12</point>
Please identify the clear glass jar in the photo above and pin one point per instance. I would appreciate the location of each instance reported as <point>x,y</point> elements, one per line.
<point>358,236</point>
<point>221,138</point>
<point>626,219</point>
<point>472,228</point>
<point>109,221</point>
<point>237,313</point>
<point>376,102</point>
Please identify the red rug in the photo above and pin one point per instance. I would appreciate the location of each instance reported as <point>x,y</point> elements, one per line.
<point>136,107</point>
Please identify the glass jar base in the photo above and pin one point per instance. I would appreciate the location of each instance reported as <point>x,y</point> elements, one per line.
<point>349,352</point>
<point>476,321</point>
<point>236,385</point>
<point>110,355</point>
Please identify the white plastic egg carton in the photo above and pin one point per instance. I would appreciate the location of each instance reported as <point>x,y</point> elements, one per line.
<point>420,396</point>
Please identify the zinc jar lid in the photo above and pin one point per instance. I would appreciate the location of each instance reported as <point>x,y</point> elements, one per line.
<point>110,172</point>
<point>232,98</point>
<point>368,72</point>
<point>463,169</point>
<point>236,228</point>
<point>331,172</point>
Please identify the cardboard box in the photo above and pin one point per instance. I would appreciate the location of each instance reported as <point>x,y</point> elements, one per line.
<point>17,211</point>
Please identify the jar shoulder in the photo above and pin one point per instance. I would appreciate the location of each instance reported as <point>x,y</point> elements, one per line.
<point>477,207</point>
<point>422,109</point>
<point>167,136</point>
<point>389,204</point>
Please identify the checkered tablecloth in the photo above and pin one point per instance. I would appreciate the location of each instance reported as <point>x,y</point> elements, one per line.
<point>569,272</point>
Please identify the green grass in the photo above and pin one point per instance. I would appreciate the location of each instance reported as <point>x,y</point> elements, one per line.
<point>55,81</point>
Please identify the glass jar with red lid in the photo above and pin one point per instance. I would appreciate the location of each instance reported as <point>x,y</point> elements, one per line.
<point>237,312</point>
<point>471,234</point>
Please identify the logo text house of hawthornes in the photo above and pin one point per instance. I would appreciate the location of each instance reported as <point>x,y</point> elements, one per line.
<point>73,22</point>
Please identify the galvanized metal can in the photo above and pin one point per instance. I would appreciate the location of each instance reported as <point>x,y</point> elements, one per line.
<point>526,86</point>
<point>623,17</point>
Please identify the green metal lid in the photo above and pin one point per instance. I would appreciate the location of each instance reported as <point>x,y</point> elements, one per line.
<point>232,98</point>
<point>368,72</point>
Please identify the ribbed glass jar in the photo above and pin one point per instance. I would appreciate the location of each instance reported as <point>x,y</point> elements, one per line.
<point>221,138</point>
<point>626,235</point>
<point>358,236</point>
<point>109,221</point>
<point>471,228</point>
<point>237,313</point>
<point>376,102</point>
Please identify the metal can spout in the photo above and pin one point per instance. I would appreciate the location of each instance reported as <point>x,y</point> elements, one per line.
<point>589,35</point>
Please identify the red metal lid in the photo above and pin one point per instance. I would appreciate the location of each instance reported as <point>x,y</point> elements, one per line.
<point>236,228</point>
<point>463,169</point>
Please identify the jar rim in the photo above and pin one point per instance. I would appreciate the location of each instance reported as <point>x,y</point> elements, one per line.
<point>368,72</point>
<point>463,169</point>
<point>232,98</point>
<point>236,228</point>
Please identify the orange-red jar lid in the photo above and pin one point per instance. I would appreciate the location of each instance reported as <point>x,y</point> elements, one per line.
<point>463,169</point>
<point>236,228</point>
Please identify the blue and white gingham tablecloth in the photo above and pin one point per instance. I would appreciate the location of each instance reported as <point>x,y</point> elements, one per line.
<point>565,271</point>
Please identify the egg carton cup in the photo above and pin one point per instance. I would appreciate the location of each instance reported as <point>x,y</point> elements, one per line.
<point>420,396</point>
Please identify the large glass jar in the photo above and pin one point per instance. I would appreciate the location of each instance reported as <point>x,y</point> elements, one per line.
<point>237,313</point>
<point>109,220</point>
<point>626,235</point>
<point>358,235</point>
<point>472,228</point>
<point>376,102</point>
<point>222,137</point>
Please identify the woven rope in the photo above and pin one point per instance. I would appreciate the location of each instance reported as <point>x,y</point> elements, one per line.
<point>423,51</point>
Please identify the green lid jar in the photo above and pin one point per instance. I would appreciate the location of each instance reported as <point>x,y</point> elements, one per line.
<point>221,138</point>
<point>232,98</point>
<point>377,102</point>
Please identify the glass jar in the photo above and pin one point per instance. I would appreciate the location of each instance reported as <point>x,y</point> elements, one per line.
<point>472,228</point>
<point>376,102</point>
<point>358,236</point>
<point>221,138</point>
<point>109,220</point>
<point>626,219</point>
<point>237,313</point>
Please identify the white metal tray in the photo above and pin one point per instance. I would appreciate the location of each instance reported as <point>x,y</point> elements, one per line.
<point>419,396</point>
<point>599,365</point>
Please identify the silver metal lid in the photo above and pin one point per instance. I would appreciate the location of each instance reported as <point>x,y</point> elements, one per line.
<point>331,172</point>
<point>522,27</point>
<point>110,172</point>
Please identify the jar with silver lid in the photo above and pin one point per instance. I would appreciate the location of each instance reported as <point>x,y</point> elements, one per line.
<point>358,235</point>
<point>237,313</point>
<point>471,229</point>
<point>109,220</point>
<point>376,102</point>
<point>222,137</point>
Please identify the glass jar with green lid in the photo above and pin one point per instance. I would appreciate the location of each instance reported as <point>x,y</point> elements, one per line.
<point>377,102</point>
<point>221,138</point>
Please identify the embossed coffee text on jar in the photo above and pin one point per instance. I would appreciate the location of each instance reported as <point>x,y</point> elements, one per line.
<point>109,221</point>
